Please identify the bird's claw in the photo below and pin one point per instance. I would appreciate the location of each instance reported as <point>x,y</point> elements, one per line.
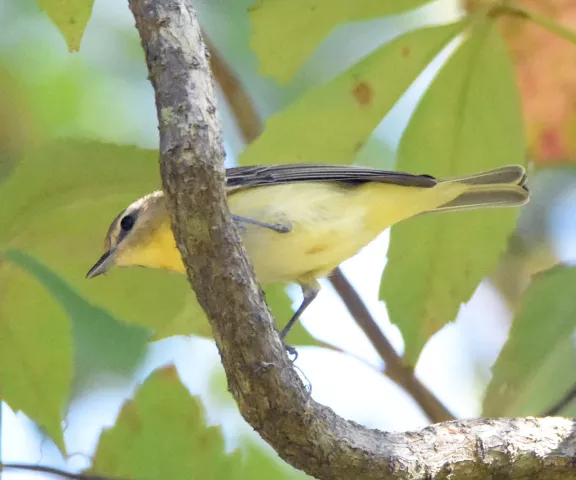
<point>292,352</point>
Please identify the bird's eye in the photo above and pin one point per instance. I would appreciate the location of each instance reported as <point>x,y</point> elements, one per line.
<point>127,223</point>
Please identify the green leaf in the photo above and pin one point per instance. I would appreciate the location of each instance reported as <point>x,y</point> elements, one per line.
<point>102,343</point>
<point>332,122</point>
<point>35,348</point>
<point>469,120</point>
<point>286,32</point>
<point>161,434</point>
<point>536,366</point>
<point>70,17</point>
<point>57,205</point>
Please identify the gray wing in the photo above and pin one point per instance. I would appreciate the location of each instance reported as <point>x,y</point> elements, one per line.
<point>242,177</point>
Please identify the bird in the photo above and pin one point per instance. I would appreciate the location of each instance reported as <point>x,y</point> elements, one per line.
<point>299,222</point>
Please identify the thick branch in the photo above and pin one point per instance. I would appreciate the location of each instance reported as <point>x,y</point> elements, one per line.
<point>268,391</point>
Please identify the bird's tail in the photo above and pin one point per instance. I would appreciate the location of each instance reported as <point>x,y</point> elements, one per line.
<point>502,187</point>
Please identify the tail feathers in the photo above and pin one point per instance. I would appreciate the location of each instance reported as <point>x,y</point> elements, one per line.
<point>502,187</point>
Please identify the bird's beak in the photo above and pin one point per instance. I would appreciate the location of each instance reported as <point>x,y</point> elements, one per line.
<point>105,263</point>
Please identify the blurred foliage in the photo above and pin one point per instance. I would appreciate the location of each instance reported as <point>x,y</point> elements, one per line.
<point>470,121</point>
<point>35,347</point>
<point>283,46</point>
<point>161,433</point>
<point>536,366</point>
<point>62,182</point>
<point>102,343</point>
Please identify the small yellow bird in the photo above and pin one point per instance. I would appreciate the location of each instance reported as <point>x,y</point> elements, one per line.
<point>299,222</point>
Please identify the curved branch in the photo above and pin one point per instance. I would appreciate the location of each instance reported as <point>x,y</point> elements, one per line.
<point>266,387</point>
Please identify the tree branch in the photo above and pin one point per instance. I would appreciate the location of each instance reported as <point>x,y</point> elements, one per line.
<point>249,123</point>
<point>266,387</point>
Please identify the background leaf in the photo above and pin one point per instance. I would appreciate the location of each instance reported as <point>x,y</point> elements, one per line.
<point>35,348</point>
<point>536,366</point>
<point>58,204</point>
<point>285,33</point>
<point>101,342</point>
<point>332,122</point>
<point>469,120</point>
<point>161,434</point>
<point>71,18</point>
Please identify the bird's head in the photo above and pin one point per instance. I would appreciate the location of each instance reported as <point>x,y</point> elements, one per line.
<point>140,235</point>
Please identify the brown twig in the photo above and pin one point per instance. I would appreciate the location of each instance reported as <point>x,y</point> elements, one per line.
<point>240,103</point>
<point>53,471</point>
<point>249,123</point>
<point>396,369</point>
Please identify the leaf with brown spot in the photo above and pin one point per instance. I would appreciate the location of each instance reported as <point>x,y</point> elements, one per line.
<point>161,434</point>
<point>362,93</point>
<point>329,121</point>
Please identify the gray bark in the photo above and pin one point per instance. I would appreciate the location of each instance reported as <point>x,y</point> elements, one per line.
<point>266,387</point>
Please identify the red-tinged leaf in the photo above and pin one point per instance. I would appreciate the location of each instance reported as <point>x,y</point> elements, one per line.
<point>545,64</point>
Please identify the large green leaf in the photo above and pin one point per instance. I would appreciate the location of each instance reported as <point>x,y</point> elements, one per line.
<point>536,366</point>
<point>286,32</point>
<point>35,349</point>
<point>71,18</point>
<point>161,434</point>
<point>332,122</point>
<point>101,342</point>
<point>469,120</point>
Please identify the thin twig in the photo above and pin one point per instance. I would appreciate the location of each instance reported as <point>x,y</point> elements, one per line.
<point>561,404</point>
<point>240,103</point>
<point>396,369</point>
<point>53,471</point>
<point>249,123</point>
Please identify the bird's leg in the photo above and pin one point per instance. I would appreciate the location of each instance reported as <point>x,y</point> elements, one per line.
<point>277,227</point>
<point>309,291</point>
